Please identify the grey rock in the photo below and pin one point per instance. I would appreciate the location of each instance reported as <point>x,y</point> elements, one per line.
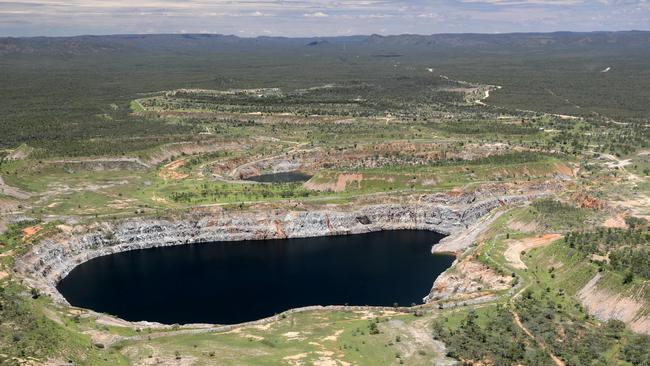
<point>48,262</point>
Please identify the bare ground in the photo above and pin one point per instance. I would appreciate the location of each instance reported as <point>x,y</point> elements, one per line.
<point>524,227</point>
<point>14,192</point>
<point>418,334</point>
<point>168,172</point>
<point>515,247</point>
<point>606,305</point>
<point>617,221</point>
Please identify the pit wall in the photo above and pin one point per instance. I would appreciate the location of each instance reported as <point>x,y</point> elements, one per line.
<point>52,259</point>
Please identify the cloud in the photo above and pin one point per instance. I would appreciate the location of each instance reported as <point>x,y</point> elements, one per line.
<point>526,2</point>
<point>317,17</point>
<point>316,14</point>
<point>260,14</point>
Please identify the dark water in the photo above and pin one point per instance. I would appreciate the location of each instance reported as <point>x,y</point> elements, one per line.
<point>233,282</point>
<point>285,177</point>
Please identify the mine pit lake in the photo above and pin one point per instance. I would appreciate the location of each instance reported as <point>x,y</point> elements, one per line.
<point>234,282</point>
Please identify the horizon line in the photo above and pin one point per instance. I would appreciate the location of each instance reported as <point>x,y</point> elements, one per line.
<point>324,36</point>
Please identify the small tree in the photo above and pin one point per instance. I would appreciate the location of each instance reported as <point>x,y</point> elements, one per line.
<point>629,277</point>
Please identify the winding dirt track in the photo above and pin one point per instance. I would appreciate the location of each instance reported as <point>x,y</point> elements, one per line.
<point>12,191</point>
<point>530,334</point>
<point>539,342</point>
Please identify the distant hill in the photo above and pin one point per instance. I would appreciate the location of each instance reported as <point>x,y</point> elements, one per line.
<point>80,45</point>
<point>516,39</point>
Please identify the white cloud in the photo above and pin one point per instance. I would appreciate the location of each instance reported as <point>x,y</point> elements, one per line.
<point>317,17</point>
<point>260,14</point>
<point>316,14</point>
<point>526,2</point>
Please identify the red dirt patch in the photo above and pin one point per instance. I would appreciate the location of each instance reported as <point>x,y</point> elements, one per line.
<point>28,232</point>
<point>586,201</point>
<point>169,170</point>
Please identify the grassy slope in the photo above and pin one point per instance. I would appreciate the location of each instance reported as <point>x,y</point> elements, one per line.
<point>555,274</point>
<point>306,337</point>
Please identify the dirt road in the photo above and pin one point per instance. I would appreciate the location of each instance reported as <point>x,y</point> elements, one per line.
<point>12,191</point>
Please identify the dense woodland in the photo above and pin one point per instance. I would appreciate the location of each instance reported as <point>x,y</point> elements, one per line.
<point>74,97</point>
<point>626,250</point>
<point>497,339</point>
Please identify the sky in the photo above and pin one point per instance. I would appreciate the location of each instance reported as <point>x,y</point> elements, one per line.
<point>249,18</point>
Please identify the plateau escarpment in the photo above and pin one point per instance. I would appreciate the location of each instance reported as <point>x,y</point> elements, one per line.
<point>45,264</point>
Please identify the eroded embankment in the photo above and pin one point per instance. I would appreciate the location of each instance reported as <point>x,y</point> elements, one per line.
<point>45,264</point>
<point>607,304</point>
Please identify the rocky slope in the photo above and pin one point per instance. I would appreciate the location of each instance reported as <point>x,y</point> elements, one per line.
<point>468,279</point>
<point>45,264</point>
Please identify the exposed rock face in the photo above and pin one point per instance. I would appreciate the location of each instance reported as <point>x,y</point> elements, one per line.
<point>72,166</point>
<point>55,257</point>
<point>459,242</point>
<point>468,279</point>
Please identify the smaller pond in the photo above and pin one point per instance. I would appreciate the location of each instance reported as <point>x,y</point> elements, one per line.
<point>284,177</point>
